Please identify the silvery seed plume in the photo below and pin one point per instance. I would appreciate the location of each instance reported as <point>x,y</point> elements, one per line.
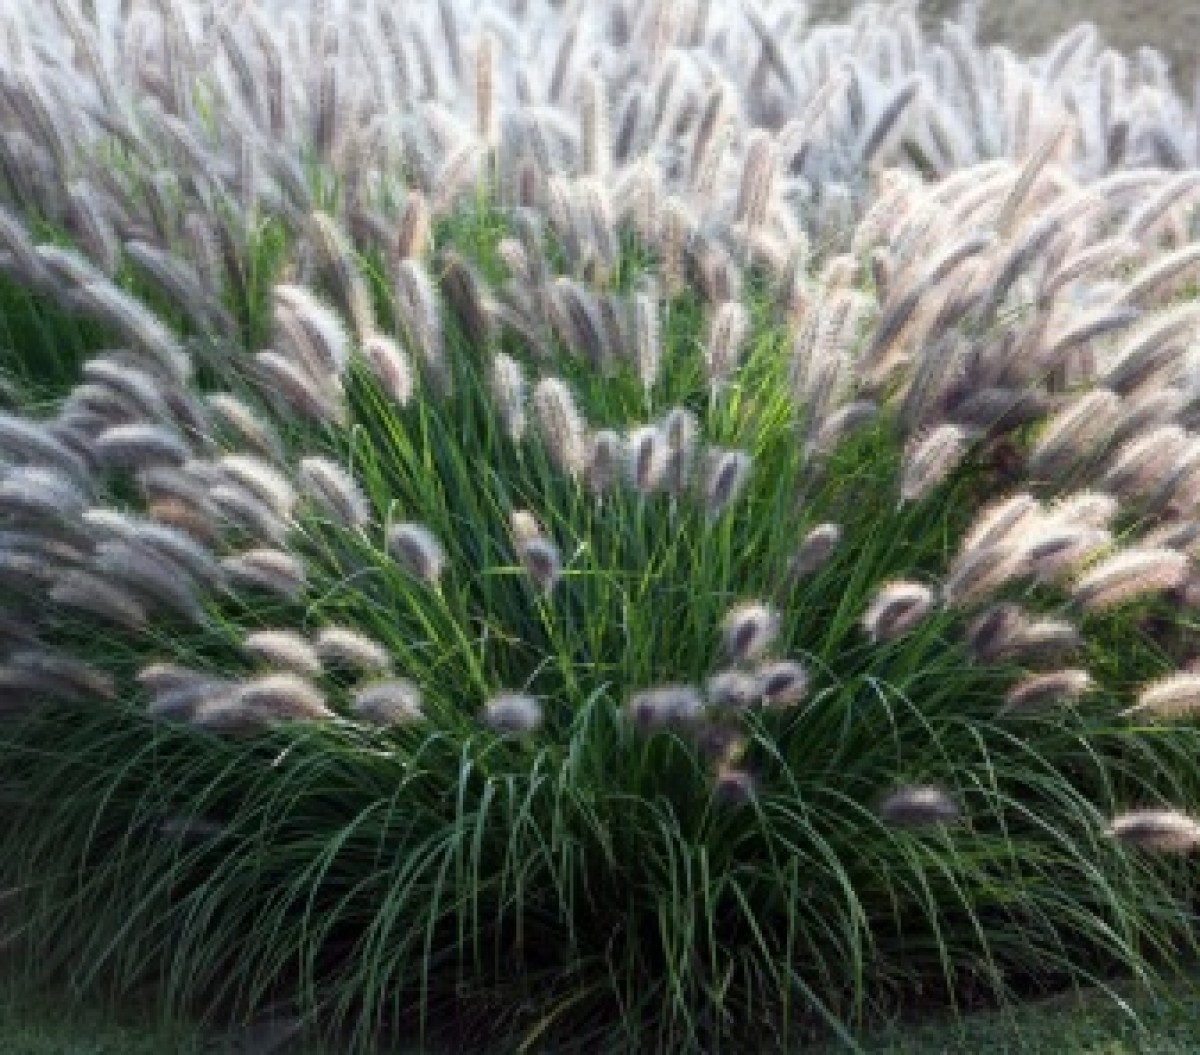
<point>727,334</point>
<point>523,526</point>
<point>930,458</point>
<point>1160,280</point>
<point>508,390</point>
<point>847,419</point>
<point>337,256</point>
<point>594,131</point>
<point>1161,831</point>
<point>249,514</point>
<point>815,549</point>
<point>272,570</point>
<point>1149,408</point>
<point>464,292</point>
<point>181,702</point>
<point>680,431</point>
<point>758,178</point>
<point>263,700</point>
<point>888,127</point>
<point>1093,509</point>
<point>149,575</point>
<point>783,682</point>
<point>542,562</point>
<point>734,690</point>
<point>896,609</point>
<point>606,454</point>
<point>390,367</point>
<point>335,491</point>
<point>32,442</point>
<point>1001,521</point>
<point>749,629</point>
<point>675,707</point>
<point>245,424</point>
<point>86,592</point>
<point>919,806</point>
<point>1045,690</point>
<point>163,481</point>
<point>67,675</point>
<point>978,573</point>
<point>1176,696</point>
<point>418,551</point>
<point>342,646</point>
<point>414,233</point>
<point>261,479</point>
<point>290,382</point>
<point>284,650</point>
<point>726,477</point>
<point>647,340</point>
<point>1060,551</point>
<point>560,424</point>
<point>1154,348</point>
<point>392,702</point>
<point>648,454</point>
<point>30,491</point>
<point>512,713</point>
<point>166,676</point>
<point>316,335</point>
<point>136,324</point>
<point>1126,576</point>
<point>137,446</point>
<point>1144,461</point>
<point>143,391</point>
<point>420,318</point>
<point>1082,331</point>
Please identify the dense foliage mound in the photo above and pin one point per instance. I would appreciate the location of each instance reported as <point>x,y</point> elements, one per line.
<point>649,526</point>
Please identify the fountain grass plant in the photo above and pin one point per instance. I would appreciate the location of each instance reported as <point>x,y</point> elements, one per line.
<point>613,588</point>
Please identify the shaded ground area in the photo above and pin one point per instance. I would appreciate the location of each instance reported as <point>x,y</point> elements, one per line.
<point>1171,26</point>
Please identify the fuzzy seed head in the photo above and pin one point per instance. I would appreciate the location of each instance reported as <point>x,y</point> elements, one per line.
<point>418,551</point>
<point>283,649</point>
<point>749,630</point>
<point>1161,831</point>
<point>897,609</point>
<point>514,713</point>
<point>391,702</point>
<point>919,806</point>
<point>542,562</point>
<point>669,707</point>
<point>784,682</point>
<point>734,690</point>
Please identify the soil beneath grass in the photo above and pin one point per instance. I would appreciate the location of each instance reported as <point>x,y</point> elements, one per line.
<point>1028,26</point>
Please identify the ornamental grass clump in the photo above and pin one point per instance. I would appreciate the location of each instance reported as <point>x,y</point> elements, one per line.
<point>653,528</point>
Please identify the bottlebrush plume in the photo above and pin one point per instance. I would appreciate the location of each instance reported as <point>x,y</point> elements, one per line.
<point>1172,697</point>
<point>513,712</point>
<point>734,690</point>
<point>391,702</point>
<point>1128,575</point>
<point>815,549</point>
<point>560,425</point>
<point>919,806</point>
<point>897,609</point>
<point>542,562</point>
<point>267,569</point>
<point>673,707</point>
<point>335,491</point>
<point>749,630</point>
<point>1042,690</point>
<point>343,646</point>
<point>418,551</point>
<point>1162,831</point>
<point>284,649</point>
